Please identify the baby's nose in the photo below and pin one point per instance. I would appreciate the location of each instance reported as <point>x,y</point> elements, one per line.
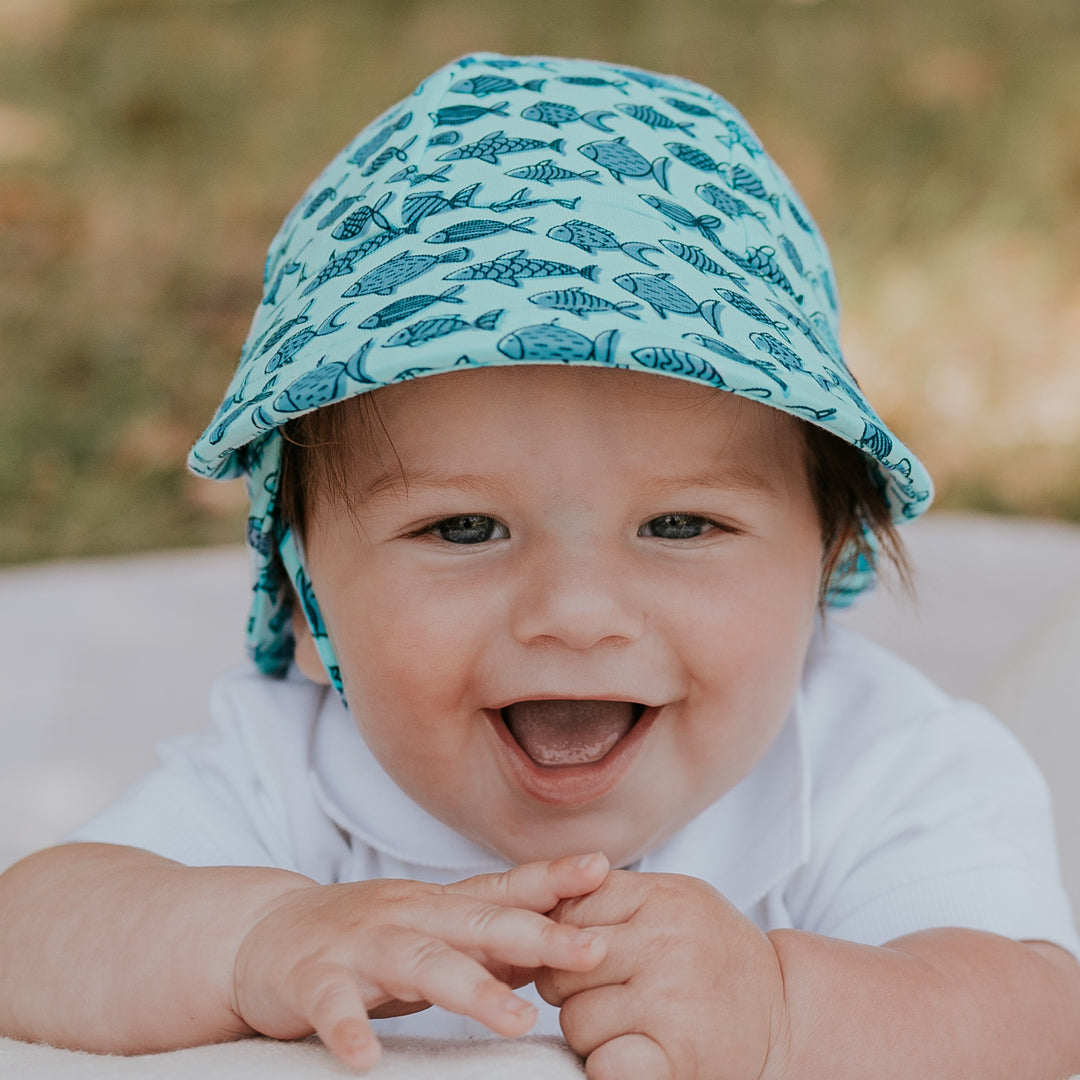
<point>578,599</point>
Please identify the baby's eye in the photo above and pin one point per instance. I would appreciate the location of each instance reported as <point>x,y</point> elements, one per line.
<point>469,529</point>
<point>676,527</point>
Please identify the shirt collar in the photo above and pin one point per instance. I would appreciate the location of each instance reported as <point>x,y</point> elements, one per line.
<point>744,844</point>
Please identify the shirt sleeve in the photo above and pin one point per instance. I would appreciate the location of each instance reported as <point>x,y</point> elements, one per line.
<point>236,795</point>
<point>940,821</point>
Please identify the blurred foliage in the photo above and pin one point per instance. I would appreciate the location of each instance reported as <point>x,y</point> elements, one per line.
<point>149,149</point>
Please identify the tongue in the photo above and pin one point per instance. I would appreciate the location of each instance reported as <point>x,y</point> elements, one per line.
<point>568,732</point>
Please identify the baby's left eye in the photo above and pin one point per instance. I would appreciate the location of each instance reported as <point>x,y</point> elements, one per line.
<point>677,526</point>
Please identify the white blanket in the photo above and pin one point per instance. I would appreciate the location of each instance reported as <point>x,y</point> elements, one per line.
<point>539,1058</point>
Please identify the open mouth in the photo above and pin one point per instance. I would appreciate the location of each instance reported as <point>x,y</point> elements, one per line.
<point>564,732</point>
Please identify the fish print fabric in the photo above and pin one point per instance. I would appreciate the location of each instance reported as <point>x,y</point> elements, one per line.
<point>547,211</point>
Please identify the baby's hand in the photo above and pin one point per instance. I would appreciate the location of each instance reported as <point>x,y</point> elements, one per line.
<point>689,990</point>
<point>326,958</point>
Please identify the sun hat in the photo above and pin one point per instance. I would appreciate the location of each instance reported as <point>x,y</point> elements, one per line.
<point>538,210</point>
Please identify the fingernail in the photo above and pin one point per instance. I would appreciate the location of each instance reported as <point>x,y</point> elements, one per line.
<point>582,862</point>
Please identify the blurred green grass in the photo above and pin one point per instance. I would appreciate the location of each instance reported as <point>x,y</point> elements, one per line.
<point>149,149</point>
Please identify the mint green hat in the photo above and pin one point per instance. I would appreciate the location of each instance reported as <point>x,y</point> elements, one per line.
<point>538,210</point>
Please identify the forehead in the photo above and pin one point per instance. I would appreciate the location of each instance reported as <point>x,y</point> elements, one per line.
<point>512,417</point>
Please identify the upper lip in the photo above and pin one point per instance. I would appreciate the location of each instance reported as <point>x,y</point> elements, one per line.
<point>556,696</point>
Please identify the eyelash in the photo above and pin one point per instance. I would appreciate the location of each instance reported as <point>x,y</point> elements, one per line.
<point>485,525</point>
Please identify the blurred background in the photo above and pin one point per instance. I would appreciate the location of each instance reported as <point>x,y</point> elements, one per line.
<point>150,148</point>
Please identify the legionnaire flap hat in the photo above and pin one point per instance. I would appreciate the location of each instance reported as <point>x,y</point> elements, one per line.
<point>538,210</point>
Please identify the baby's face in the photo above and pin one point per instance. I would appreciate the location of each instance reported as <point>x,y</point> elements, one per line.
<point>584,616</point>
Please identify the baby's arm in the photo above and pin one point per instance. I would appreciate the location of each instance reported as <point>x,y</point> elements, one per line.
<point>113,949</point>
<point>691,990</point>
<point>945,1002</point>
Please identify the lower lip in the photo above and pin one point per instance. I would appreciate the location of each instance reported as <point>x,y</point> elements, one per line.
<point>570,786</point>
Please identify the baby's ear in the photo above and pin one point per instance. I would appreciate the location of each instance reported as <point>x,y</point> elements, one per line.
<point>306,655</point>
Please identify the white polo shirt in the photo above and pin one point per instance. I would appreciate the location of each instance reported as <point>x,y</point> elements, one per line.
<point>882,808</point>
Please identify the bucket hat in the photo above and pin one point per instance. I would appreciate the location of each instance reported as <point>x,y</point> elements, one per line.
<point>538,210</point>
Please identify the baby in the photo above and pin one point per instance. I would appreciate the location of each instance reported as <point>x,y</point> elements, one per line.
<point>555,468</point>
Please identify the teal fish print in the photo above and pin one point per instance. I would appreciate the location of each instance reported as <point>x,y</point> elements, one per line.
<point>379,139</point>
<point>706,224</point>
<point>726,203</point>
<point>476,230</point>
<point>550,342</point>
<point>511,266</point>
<point>336,212</point>
<point>821,324</point>
<point>761,262</point>
<point>592,80</point>
<point>445,138</point>
<point>390,275</point>
<point>692,156</point>
<point>778,351</point>
<point>547,172</point>
<point>415,176</point>
<point>876,441</point>
<point>327,193</point>
<point>647,78</point>
<point>737,135</point>
<point>554,113</point>
<point>653,118</point>
<point>722,348</point>
<point>833,383</point>
<point>408,306</point>
<point>482,85</point>
<point>492,145</point>
<point>355,224</point>
<point>680,362</point>
<point>691,108</point>
<point>591,238</point>
<point>792,252</point>
<point>279,331</point>
<point>658,292</point>
<point>582,303</point>
<point>621,160</point>
<point>289,268</point>
<point>465,114</point>
<point>421,204</point>
<point>800,219</point>
<point>521,200</point>
<point>338,265</point>
<point>742,179</point>
<point>805,328</point>
<point>752,311</point>
<point>429,329</point>
<point>325,382</point>
<point>389,154</point>
<point>697,258</point>
<point>288,349</point>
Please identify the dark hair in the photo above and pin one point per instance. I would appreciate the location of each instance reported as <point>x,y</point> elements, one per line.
<point>847,489</point>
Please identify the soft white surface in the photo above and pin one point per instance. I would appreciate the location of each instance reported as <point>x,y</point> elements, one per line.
<point>99,660</point>
<point>264,1059</point>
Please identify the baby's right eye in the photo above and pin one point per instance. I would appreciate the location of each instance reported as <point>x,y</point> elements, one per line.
<point>468,529</point>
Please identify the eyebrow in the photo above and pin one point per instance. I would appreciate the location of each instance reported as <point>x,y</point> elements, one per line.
<point>724,478</point>
<point>391,481</point>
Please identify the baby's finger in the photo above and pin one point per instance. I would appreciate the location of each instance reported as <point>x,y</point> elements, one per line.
<point>416,967</point>
<point>629,1057</point>
<point>520,938</point>
<point>331,999</point>
<point>538,886</point>
<point>599,1015</point>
